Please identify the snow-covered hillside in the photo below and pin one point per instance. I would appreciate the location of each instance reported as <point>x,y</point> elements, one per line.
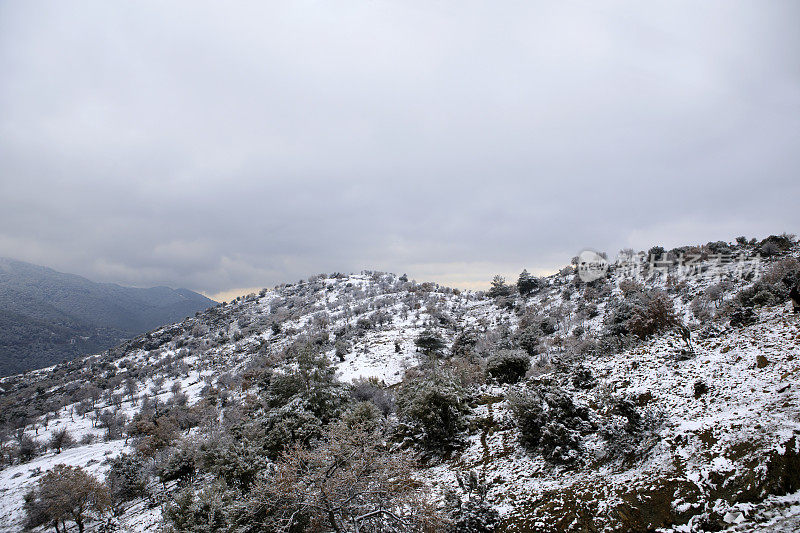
<point>691,425</point>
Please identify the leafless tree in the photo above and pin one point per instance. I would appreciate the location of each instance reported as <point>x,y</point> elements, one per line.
<point>131,388</point>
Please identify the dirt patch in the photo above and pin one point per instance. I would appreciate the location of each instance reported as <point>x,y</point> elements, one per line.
<point>574,509</point>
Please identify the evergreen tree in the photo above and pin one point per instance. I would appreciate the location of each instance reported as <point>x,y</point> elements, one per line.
<point>499,287</point>
<point>526,283</point>
<point>430,342</point>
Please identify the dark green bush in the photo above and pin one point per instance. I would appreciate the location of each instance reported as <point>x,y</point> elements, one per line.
<point>499,288</point>
<point>211,508</point>
<point>528,339</point>
<point>288,425</point>
<point>474,516</point>
<point>550,422</point>
<point>508,366</point>
<point>126,479</point>
<point>582,378</point>
<point>464,344</point>
<point>366,390</point>
<point>434,410</point>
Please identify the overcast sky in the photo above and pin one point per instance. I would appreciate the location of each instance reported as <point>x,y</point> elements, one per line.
<point>226,146</point>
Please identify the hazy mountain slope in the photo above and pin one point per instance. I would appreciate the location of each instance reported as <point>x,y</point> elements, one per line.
<point>50,316</point>
<point>27,342</point>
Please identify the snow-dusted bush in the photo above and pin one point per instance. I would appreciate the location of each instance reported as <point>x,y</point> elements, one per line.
<point>474,516</point>
<point>527,283</point>
<point>653,313</point>
<point>760,294</point>
<point>27,448</point>
<point>363,415</point>
<point>430,342</point>
<point>113,422</point>
<point>776,244</point>
<point>237,457</point>
<point>433,410</point>
<point>528,339</point>
<point>309,383</point>
<point>126,479</point>
<point>499,288</point>
<point>155,426</point>
<point>346,481</point>
<point>370,390</point>
<point>700,308</point>
<point>630,429</point>
<point>773,287</point>
<point>342,348</point>
<point>700,388</point>
<point>177,464</point>
<point>582,378</point>
<point>508,366</point>
<point>469,511</point>
<point>616,321</point>
<point>549,421</point>
<point>548,326</point>
<point>287,425</point>
<point>464,344</point>
<point>209,509</point>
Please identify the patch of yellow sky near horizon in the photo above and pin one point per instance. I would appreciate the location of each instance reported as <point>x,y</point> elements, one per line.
<point>448,279</point>
<point>230,294</point>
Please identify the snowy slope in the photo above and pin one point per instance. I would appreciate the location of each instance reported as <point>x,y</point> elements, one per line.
<point>714,455</point>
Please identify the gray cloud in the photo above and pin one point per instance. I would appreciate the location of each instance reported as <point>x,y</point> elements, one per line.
<point>219,147</point>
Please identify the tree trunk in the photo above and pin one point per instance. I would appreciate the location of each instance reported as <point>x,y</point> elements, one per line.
<point>334,522</point>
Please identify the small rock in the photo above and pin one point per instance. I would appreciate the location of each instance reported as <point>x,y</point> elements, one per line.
<point>761,361</point>
<point>644,398</point>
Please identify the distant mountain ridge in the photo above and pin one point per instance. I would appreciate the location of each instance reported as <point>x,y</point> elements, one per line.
<point>47,316</point>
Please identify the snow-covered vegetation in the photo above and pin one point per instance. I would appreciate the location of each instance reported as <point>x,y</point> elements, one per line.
<point>368,402</point>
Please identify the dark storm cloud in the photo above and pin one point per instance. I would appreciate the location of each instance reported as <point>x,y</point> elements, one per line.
<point>239,145</point>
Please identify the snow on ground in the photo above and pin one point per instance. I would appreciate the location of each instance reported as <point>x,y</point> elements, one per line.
<point>379,359</point>
<point>17,480</point>
<point>748,411</point>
